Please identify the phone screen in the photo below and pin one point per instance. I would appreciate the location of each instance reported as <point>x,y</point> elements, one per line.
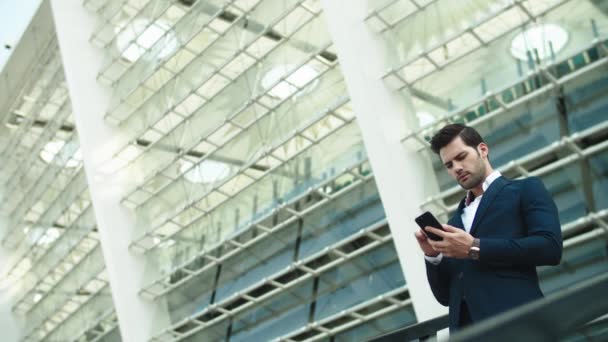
<point>427,219</point>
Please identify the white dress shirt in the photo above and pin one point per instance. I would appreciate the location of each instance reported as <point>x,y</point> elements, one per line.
<point>469,211</point>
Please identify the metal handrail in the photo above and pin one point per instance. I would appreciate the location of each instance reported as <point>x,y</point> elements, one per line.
<point>420,331</point>
<point>547,319</point>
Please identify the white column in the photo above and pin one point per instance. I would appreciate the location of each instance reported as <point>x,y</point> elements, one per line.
<point>138,318</point>
<point>10,326</point>
<point>403,176</point>
<point>8,323</point>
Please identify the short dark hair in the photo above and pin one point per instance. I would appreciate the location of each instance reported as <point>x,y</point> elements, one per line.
<point>449,132</point>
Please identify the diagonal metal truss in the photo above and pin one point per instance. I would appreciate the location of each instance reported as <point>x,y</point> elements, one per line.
<point>369,310</point>
<point>382,18</point>
<point>366,239</point>
<point>216,147</point>
<point>324,193</point>
<point>244,55</point>
<point>146,242</point>
<point>87,277</point>
<point>51,279</point>
<point>521,92</point>
<point>98,329</point>
<point>469,40</point>
<point>50,273</point>
<point>99,288</point>
<point>65,207</point>
<point>331,257</point>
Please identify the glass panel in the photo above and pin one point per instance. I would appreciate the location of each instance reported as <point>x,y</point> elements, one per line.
<point>258,262</point>
<point>54,268</point>
<point>381,325</point>
<point>599,170</point>
<point>578,263</point>
<point>585,102</point>
<point>340,219</point>
<point>358,281</point>
<point>274,318</point>
<point>566,188</point>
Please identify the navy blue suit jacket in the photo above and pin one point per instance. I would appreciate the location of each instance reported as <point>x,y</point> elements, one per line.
<point>518,228</point>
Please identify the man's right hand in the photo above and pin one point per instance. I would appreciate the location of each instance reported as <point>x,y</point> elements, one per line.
<point>426,247</point>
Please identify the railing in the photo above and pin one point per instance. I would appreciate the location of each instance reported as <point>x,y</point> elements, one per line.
<point>421,331</point>
<point>550,319</point>
<point>554,318</point>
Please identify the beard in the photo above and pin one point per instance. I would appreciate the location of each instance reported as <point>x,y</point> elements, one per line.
<point>473,180</point>
<point>475,177</point>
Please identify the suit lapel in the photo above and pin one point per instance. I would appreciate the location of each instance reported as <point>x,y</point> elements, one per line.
<point>488,197</point>
<point>457,218</point>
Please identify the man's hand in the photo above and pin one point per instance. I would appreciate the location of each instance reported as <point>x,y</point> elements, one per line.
<point>455,244</point>
<point>423,241</point>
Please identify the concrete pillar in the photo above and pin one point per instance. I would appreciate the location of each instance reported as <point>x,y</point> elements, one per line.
<point>404,177</point>
<point>9,323</point>
<point>139,319</point>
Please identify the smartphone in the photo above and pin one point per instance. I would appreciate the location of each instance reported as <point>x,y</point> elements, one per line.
<point>427,219</point>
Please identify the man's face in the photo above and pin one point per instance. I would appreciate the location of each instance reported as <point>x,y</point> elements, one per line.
<point>467,165</point>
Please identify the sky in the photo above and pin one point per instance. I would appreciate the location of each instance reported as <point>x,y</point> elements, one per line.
<point>14,17</point>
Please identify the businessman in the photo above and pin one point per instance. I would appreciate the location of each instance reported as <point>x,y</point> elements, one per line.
<point>502,229</point>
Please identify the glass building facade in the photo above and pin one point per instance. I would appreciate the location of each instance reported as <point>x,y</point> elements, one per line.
<point>255,212</point>
<point>55,270</point>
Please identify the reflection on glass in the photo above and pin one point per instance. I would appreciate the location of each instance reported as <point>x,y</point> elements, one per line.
<point>387,322</point>
<point>543,41</point>
<point>164,244</point>
<point>425,118</point>
<point>42,236</point>
<point>579,262</point>
<point>141,35</point>
<point>55,152</point>
<point>208,171</point>
<point>289,83</point>
<point>14,121</point>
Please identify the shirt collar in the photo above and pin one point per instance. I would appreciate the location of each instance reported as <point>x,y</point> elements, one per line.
<point>485,185</point>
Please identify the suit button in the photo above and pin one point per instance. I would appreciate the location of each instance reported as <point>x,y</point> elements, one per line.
<point>460,275</point>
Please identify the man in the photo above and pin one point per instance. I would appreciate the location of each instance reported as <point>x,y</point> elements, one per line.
<point>486,262</point>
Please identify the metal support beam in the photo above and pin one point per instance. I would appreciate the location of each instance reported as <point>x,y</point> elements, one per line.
<point>9,325</point>
<point>430,99</point>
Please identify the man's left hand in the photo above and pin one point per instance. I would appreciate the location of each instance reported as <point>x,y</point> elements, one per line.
<point>455,244</point>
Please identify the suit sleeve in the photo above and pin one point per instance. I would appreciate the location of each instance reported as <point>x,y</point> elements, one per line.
<point>543,243</point>
<point>439,280</point>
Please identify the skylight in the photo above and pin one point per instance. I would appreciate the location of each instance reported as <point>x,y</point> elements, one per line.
<point>55,152</point>
<point>208,171</point>
<point>542,40</point>
<point>289,83</point>
<point>141,35</point>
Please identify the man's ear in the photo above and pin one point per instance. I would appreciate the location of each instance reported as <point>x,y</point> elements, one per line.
<point>483,150</point>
